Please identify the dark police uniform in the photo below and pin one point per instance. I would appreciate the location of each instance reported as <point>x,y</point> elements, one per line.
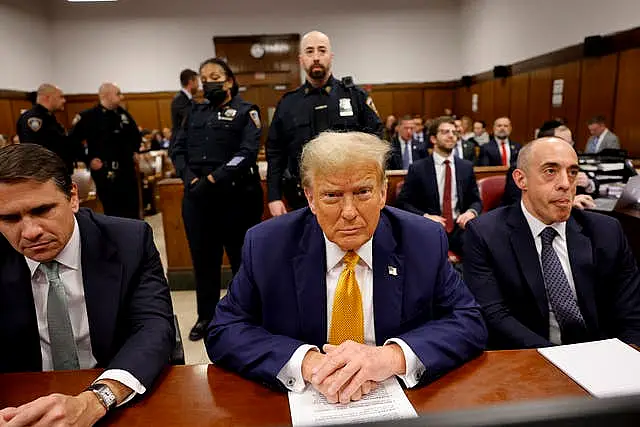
<point>40,126</point>
<point>300,116</point>
<point>222,141</point>
<point>113,137</point>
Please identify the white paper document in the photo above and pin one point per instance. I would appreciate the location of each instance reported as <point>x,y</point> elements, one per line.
<point>605,368</point>
<point>386,402</point>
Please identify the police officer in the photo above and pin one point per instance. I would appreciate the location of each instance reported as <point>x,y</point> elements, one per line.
<point>40,126</point>
<point>215,154</point>
<point>322,103</point>
<point>112,140</point>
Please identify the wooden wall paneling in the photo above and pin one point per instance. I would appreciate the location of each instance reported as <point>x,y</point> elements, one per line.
<point>485,103</point>
<point>73,107</point>
<point>164,113</point>
<point>519,107</point>
<point>408,101</point>
<point>568,111</point>
<point>62,118</point>
<point>436,100</point>
<point>462,102</point>
<point>597,93</point>
<point>7,125</point>
<point>144,112</point>
<point>626,122</point>
<point>501,97</point>
<point>17,106</point>
<point>539,100</point>
<point>383,99</point>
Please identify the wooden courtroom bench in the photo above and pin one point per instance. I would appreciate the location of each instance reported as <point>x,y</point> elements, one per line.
<point>180,269</point>
<point>209,396</point>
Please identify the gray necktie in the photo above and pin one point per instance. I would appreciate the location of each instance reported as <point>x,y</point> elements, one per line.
<point>63,345</point>
<point>563,301</point>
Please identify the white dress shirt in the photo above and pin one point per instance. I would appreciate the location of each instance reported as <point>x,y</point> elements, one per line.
<point>291,374</point>
<point>459,152</point>
<point>403,144</point>
<point>186,92</point>
<point>71,275</point>
<point>438,161</point>
<point>559,245</point>
<point>507,147</point>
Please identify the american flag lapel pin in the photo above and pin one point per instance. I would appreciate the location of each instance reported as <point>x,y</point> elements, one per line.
<point>393,271</point>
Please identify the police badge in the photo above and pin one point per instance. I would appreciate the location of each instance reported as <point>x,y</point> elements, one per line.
<point>124,119</point>
<point>34,123</point>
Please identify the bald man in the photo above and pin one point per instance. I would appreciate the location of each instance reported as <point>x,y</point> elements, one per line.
<point>546,273</point>
<point>322,103</point>
<point>39,125</point>
<point>112,140</point>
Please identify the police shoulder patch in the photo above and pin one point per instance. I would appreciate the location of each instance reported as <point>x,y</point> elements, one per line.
<point>372,105</point>
<point>255,117</point>
<point>76,119</point>
<point>34,123</point>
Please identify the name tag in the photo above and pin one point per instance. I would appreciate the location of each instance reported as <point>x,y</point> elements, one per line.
<point>346,109</point>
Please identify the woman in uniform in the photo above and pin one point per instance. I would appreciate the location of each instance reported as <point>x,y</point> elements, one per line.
<point>215,154</point>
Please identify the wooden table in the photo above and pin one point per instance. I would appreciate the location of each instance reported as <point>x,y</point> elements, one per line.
<point>207,395</point>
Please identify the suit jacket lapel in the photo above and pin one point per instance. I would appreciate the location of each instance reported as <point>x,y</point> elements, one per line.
<point>432,182</point>
<point>459,183</point>
<point>388,281</point>
<point>309,268</point>
<point>581,259</point>
<point>523,245</point>
<point>102,277</point>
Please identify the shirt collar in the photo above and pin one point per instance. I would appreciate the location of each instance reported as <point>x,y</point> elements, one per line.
<point>604,132</point>
<point>69,256</point>
<point>536,226</point>
<point>335,254</point>
<point>439,160</point>
<point>186,92</point>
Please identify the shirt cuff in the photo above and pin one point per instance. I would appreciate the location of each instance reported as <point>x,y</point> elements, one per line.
<point>473,211</point>
<point>291,374</point>
<point>414,368</point>
<point>124,378</point>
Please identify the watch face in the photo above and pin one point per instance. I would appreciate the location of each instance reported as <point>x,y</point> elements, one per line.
<point>257,51</point>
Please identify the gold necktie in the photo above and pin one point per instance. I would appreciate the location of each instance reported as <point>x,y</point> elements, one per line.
<point>347,318</point>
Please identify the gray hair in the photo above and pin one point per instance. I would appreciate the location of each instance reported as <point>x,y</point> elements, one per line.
<point>334,152</point>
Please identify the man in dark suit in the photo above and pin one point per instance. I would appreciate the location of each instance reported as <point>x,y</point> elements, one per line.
<point>545,274</point>
<point>405,150</point>
<point>443,187</point>
<point>465,148</point>
<point>181,103</point>
<point>500,150</point>
<point>78,290</point>
<point>351,272</point>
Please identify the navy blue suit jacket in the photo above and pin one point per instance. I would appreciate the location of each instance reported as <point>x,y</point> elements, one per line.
<point>490,153</point>
<point>418,151</point>
<point>278,299</point>
<point>126,294</point>
<point>420,194</point>
<point>503,271</point>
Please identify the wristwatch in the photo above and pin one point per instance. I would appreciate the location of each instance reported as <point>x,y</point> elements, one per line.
<point>104,395</point>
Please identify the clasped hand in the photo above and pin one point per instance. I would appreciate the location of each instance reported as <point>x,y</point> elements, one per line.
<point>351,370</point>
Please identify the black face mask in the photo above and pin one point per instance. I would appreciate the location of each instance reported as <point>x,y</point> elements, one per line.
<point>214,93</point>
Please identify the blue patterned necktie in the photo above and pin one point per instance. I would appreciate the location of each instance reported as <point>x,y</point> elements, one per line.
<point>593,145</point>
<point>563,301</point>
<point>406,161</point>
<point>64,353</point>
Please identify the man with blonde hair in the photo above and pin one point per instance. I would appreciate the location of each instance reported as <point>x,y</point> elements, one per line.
<point>341,294</point>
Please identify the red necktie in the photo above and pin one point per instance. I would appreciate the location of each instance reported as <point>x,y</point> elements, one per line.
<point>503,150</point>
<point>447,212</point>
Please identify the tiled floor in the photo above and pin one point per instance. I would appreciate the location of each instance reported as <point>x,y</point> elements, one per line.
<point>184,302</point>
